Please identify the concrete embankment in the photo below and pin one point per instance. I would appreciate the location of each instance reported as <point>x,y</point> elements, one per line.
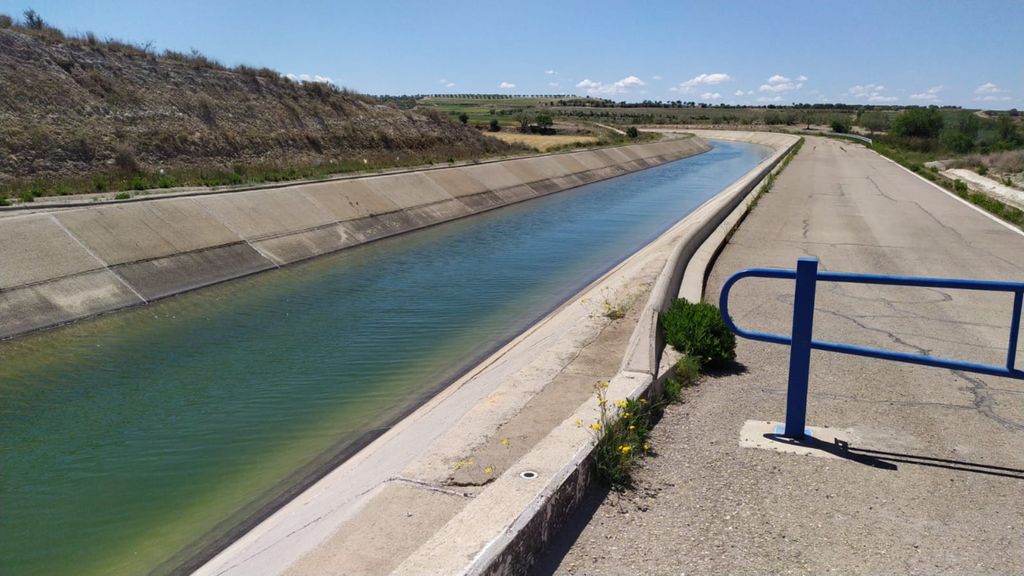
<point>504,528</point>
<point>64,265</point>
<point>444,490</point>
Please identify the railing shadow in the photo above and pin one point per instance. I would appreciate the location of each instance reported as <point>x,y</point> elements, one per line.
<point>889,460</point>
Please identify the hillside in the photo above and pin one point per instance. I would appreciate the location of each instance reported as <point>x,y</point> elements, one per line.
<point>84,115</point>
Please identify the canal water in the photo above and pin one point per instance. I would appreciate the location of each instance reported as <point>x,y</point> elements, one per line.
<point>126,438</point>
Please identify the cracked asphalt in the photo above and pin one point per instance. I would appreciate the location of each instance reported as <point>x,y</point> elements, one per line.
<point>935,484</point>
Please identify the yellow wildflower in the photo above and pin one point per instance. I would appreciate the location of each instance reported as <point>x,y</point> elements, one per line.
<point>625,448</point>
<point>579,422</point>
<point>504,441</point>
<point>595,426</point>
<point>631,427</point>
<point>487,470</point>
<point>621,403</point>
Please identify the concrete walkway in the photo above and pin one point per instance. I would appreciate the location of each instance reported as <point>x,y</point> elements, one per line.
<point>939,482</point>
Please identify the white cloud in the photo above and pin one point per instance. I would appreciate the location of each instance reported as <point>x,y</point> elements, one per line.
<point>442,81</point>
<point>739,93</point>
<point>450,85</point>
<point>992,98</point>
<point>309,78</point>
<point>506,85</point>
<point>929,95</point>
<point>870,92</point>
<point>989,92</point>
<point>550,72</point>
<point>656,77</point>
<point>553,84</point>
<point>692,84</point>
<point>711,96</point>
<point>617,87</point>
<point>779,84</point>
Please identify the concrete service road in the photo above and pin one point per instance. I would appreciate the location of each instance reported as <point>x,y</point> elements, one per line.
<point>946,492</point>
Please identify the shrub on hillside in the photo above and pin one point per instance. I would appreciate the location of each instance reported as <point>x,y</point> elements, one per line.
<point>698,330</point>
<point>632,132</point>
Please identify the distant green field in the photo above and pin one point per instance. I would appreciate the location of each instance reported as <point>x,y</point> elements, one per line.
<point>481,110</point>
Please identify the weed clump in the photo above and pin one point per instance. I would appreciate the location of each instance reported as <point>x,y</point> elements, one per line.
<point>698,330</point>
<point>622,433</point>
<point>687,372</point>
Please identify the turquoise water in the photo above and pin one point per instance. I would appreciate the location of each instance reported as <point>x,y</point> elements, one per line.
<point>126,438</point>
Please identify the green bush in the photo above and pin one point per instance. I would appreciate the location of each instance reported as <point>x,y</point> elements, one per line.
<point>632,132</point>
<point>840,127</point>
<point>918,123</point>
<point>122,196</point>
<point>698,330</point>
<point>960,186</point>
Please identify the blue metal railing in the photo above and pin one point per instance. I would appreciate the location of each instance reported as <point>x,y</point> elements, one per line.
<point>801,343</point>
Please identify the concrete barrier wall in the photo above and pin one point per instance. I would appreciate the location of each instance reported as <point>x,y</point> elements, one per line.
<point>64,265</point>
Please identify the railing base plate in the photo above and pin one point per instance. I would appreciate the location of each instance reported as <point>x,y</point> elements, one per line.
<point>817,441</point>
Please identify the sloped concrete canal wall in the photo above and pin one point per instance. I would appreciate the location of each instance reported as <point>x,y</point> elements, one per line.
<point>63,265</point>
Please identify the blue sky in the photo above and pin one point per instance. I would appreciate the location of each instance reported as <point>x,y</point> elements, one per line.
<point>904,52</point>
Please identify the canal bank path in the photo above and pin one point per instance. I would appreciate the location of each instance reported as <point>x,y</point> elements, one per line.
<point>937,481</point>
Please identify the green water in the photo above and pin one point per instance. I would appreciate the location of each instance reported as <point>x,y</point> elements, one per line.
<point>126,438</point>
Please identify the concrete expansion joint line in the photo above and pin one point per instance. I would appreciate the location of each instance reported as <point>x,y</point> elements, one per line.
<point>98,259</point>
<point>433,487</point>
<point>226,224</point>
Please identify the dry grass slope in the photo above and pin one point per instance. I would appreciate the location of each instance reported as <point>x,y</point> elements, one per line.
<point>81,115</point>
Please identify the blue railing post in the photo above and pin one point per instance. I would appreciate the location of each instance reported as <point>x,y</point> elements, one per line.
<point>800,349</point>
<point>1018,303</point>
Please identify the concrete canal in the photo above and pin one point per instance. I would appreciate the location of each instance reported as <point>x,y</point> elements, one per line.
<point>128,438</point>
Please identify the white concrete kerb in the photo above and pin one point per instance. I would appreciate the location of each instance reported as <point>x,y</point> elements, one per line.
<point>498,529</point>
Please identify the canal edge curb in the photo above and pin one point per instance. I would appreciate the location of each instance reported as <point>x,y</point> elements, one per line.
<point>478,541</point>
